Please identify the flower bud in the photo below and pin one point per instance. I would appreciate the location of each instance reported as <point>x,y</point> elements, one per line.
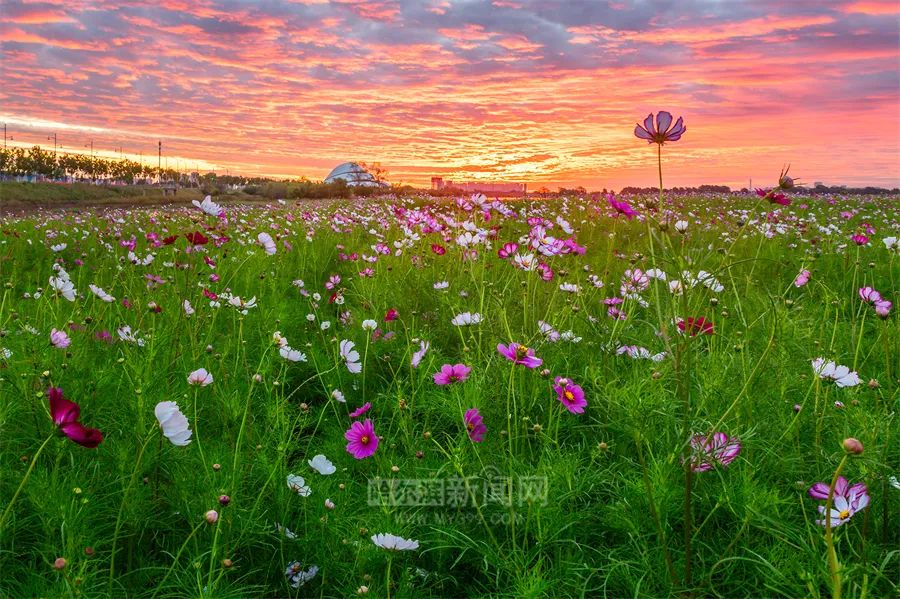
<point>224,500</point>
<point>216,467</point>
<point>212,516</point>
<point>852,445</point>
<point>60,563</point>
<point>227,563</point>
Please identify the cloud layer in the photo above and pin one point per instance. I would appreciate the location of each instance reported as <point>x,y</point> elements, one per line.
<point>540,91</point>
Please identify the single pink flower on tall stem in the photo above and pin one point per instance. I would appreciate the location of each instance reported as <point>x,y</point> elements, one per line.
<point>519,354</point>
<point>475,425</point>
<point>570,395</point>
<point>362,439</point>
<point>451,374</point>
<point>65,415</point>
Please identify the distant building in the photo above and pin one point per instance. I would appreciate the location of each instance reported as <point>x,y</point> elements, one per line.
<point>354,175</point>
<point>479,186</point>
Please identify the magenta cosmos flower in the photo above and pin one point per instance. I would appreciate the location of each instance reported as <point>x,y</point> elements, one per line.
<point>361,410</point>
<point>519,354</point>
<point>696,326</point>
<point>475,425</point>
<point>622,207</point>
<point>570,395</point>
<point>847,500</point>
<point>661,132</point>
<point>450,374</point>
<point>65,415</point>
<point>706,451</point>
<point>362,439</point>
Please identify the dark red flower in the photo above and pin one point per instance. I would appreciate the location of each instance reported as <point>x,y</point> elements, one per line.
<point>390,315</point>
<point>170,239</point>
<point>438,249</point>
<point>65,415</point>
<point>696,326</point>
<point>197,238</point>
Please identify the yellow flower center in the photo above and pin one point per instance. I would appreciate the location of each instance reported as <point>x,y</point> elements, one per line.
<point>521,351</point>
<point>844,514</point>
<point>570,397</point>
<point>364,439</point>
<point>470,426</point>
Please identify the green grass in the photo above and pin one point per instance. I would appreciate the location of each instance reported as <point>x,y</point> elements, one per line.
<point>614,480</point>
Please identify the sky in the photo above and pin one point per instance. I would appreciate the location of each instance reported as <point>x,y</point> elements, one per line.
<point>545,92</point>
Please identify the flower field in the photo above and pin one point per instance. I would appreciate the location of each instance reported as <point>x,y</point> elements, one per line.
<point>583,397</point>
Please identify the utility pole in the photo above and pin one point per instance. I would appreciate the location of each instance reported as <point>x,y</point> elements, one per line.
<point>93,178</point>
<point>159,163</point>
<point>53,137</point>
<point>4,136</point>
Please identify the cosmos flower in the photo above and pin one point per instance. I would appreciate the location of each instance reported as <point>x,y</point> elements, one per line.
<point>846,500</point>
<point>336,395</point>
<point>696,326</point>
<point>350,356</point>
<point>361,410</point>
<point>99,292</point>
<point>393,542</point>
<point>829,371</point>
<point>883,308</point>
<point>519,354</point>
<point>59,339</point>
<point>869,295</point>
<point>369,325</point>
<point>65,415</point>
<point>802,279</point>
<point>465,319</point>
<point>681,226</point>
<point>266,241</point>
<point>570,395</point>
<point>451,373</point>
<point>717,449</point>
<point>298,485</point>
<point>322,465</point>
<point>209,207</point>
<point>200,377</point>
<point>661,132</point>
<point>173,423</point>
<point>859,239</point>
<point>507,250</point>
<point>390,315</point>
<point>362,441</point>
<point>297,576</point>
<point>475,425</point>
<point>291,355</point>
<point>188,308</point>
<point>418,355</point>
<point>622,207</point>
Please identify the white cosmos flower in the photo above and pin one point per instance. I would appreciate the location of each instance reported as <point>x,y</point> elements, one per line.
<point>829,371</point>
<point>287,531</point>
<point>891,243</point>
<point>267,242</point>
<point>393,542</point>
<point>569,287</point>
<point>58,247</point>
<point>350,356</point>
<point>681,226</point>
<point>322,465</point>
<point>200,377</point>
<point>62,285</point>
<point>208,206</point>
<point>188,308</point>
<point>418,355</point>
<point>325,325</point>
<point>173,423</point>
<point>336,395</point>
<point>466,318</point>
<point>441,285</point>
<point>369,325</point>
<point>525,261</point>
<point>101,294</point>
<point>291,355</point>
<point>297,484</point>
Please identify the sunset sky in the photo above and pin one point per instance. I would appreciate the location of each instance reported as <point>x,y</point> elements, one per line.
<point>545,92</point>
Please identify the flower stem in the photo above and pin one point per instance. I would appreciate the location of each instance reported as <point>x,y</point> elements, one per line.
<point>833,566</point>
<point>24,480</point>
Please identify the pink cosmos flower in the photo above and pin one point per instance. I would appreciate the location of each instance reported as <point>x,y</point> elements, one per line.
<point>802,279</point>
<point>570,395</point>
<point>706,452</point>
<point>622,207</point>
<point>868,294</point>
<point>519,354</point>
<point>508,250</point>
<point>390,315</point>
<point>451,373</point>
<point>361,410</point>
<point>662,131</point>
<point>59,339</point>
<point>860,239</point>
<point>475,425</point>
<point>200,377</point>
<point>847,500</point>
<point>438,249</point>
<point>362,439</point>
<point>545,271</point>
<point>65,415</point>
<point>883,308</point>
<point>696,326</point>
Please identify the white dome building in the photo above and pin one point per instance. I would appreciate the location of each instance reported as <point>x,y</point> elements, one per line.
<point>354,175</point>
